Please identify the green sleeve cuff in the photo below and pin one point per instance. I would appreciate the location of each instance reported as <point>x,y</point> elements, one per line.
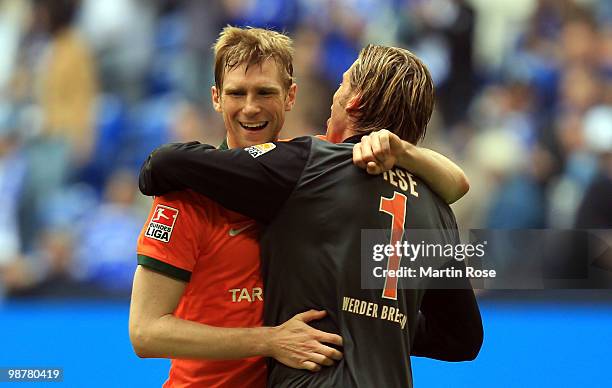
<point>164,268</point>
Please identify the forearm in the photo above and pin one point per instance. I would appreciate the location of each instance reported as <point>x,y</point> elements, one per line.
<point>217,173</point>
<point>440,173</point>
<point>172,167</point>
<point>172,337</point>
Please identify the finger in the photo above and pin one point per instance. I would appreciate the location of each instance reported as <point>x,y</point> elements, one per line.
<point>358,157</point>
<point>329,352</point>
<point>385,142</point>
<point>366,149</point>
<point>328,338</point>
<point>388,164</point>
<point>311,315</point>
<point>377,148</point>
<point>374,168</point>
<point>311,366</point>
<point>320,359</point>
<point>381,147</point>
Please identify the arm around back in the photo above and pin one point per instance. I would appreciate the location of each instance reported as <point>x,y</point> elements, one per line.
<point>156,332</point>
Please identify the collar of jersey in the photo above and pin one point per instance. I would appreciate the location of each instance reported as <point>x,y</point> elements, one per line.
<point>223,145</point>
<point>356,138</point>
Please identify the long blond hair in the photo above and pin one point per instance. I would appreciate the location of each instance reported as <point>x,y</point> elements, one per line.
<point>396,92</point>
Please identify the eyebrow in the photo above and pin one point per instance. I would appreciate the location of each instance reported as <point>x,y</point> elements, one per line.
<point>265,88</point>
<point>269,89</point>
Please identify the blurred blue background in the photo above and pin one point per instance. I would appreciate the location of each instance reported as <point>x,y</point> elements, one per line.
<point>88,88</point>
<point>527,344</point>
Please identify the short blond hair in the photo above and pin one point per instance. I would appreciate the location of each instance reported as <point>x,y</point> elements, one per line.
<point>252,46</point>
<point>396,92</point>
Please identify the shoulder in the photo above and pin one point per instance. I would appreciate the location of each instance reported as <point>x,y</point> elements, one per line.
<point>281,149</point>
<point>192,205</point>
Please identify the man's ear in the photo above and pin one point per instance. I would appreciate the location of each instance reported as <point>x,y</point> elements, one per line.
<point>216,98</point>
<point>352,106</point>
<point>290,98</point>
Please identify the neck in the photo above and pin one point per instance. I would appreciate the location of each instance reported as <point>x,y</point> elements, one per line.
<point>229,142</point>
<point>340,136</point>
<point>348,134</point>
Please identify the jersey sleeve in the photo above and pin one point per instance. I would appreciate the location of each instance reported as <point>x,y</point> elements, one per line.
<point>449,325</point>
<point>254,181</point>
<point>170,240</point>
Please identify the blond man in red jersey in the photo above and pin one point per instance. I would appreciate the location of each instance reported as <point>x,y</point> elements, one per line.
<point>197,295</point>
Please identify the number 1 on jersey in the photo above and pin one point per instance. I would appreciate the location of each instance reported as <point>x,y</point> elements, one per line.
<point>396,207</point>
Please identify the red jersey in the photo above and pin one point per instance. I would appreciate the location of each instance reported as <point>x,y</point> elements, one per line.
<point>216,251</point>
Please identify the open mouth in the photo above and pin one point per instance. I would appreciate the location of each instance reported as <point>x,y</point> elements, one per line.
<point>254,126</point>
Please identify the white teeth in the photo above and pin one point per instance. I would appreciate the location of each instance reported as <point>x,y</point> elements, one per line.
<point>254,125</point>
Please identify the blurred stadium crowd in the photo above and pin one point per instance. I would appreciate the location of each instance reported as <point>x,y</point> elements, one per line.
<point>88,88</point>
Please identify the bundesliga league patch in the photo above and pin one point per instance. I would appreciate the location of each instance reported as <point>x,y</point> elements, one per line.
<point>260,149</point>
<point>162,223</point>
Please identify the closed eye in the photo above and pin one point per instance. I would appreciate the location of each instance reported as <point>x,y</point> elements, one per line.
<point>234,92</point>
<point>267,92</point>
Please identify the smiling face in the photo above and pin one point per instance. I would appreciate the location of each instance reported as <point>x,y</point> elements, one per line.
<point>253,103</point>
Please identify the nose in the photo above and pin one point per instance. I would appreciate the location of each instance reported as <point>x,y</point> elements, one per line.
<point>251,106</point>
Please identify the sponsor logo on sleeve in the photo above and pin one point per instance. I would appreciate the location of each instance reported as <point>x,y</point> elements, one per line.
<point>260,149</point>
<point>162,223</point>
